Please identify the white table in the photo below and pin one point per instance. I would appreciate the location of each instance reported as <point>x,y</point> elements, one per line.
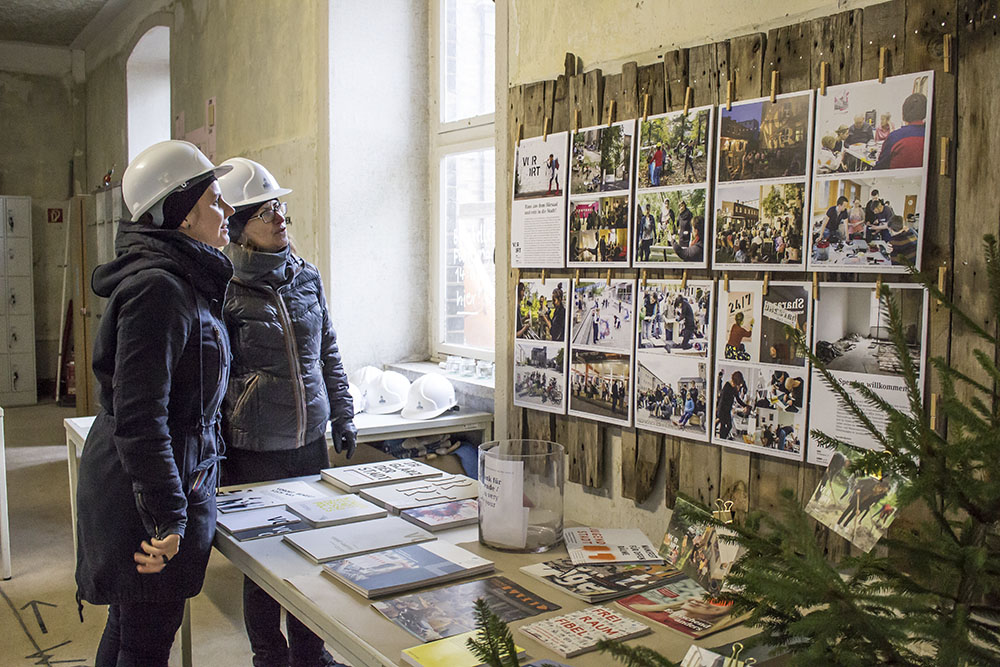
<point>5,569</point>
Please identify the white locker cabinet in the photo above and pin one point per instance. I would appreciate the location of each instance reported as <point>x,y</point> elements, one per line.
<point>17,309</point>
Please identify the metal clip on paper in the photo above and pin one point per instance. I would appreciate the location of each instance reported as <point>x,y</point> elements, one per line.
<point>734,657</point>
<point>723,510</point>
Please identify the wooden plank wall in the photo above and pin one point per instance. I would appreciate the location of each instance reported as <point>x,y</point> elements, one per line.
<point>913,33</point>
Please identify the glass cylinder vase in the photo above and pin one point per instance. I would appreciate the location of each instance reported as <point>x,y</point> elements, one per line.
<point>521,495</point>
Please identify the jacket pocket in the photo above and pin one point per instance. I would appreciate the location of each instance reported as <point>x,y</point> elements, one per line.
<point>244,397</point>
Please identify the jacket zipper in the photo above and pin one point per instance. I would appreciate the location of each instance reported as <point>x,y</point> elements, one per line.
<point>298,387</point>
<point>222,354</point>
<point>245,396</point>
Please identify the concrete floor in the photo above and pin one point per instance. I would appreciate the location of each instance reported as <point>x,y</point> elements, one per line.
<point>43,564</point>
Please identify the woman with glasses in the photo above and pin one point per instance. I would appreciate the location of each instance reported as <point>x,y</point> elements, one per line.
<point>287,382</point>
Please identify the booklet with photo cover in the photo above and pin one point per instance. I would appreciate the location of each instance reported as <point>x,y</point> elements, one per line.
<point>449,652</point>
<point>596,583</point>
<point>446,515</point>
<point>443,612</point>
<point>588,545</point>
<point>326,544</point>
<point>433,491</point>
<point>405,568</point>
<point>682,606</point>
<point>856,506</point>
<point>265,522</point>
<point>697,548</point>
<point>336,510</point>
<point>579,631</point>
<point>265,495</point>
<point>363,475</point>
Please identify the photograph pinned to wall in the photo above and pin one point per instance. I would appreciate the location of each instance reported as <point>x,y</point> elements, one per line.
<point>760,139</point>
<point>598,231</point>
<point>603,315</point>
<point>541,310</point>
<point>759,226</point>
<point>761,375</point>
<point>674,148</point>
<point>600,386</point>
<point>852,338</point>
<point>670,228</point>
<point>671,371</point>
<point>540,376</point>
<point>601,159</point>
<point>538,208</point>
<point>858,506</point>
<point>867,223</point>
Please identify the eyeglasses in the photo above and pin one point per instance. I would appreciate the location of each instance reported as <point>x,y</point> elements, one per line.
<point>268,216</point>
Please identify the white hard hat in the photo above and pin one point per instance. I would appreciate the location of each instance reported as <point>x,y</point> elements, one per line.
<point>430,395</point>
<point>161,169</point>
<point>387,394</point>
<point>249,183</point>
<point>357,397</point>
<point>364,378</point>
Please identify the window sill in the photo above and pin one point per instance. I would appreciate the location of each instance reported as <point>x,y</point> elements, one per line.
<point>472,393</point>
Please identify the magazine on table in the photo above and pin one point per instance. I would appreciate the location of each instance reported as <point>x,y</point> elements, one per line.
<point>443,516</point>
<point>363,475</point>
<point>434,491</point>
<point>266,495</point>
<point>698,548</point>
<point>448,652</point>
<point>579,631</point>
<point>683,606</point>
<point>609,545</point>
<point>258,523</point>
<point>337,510</point>
<point>326,544</point>
<point>596,583</point>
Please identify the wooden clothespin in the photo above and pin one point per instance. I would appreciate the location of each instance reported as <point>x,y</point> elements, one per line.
<point>767,281</point>
<point>945,148</point>
<point>815,287</point>
<point>824,76</point>
<point>882,51</point>
<point>576,119</point>
<point>729,95</point>
<point>687,100</point>
<point>543,277</point>
<point>684,279</point>
<point>611,113</point>
<point>942,272</point>
<point>517,275</point>
<point>578,275</point>
<point>723,510</point>
<point>545,128</point>
<point>878,286</point>
<point>933,415</point>
<point>644,276</point>
<point>774,86</point>
<point>609,277</point>
<point>725,281</point>
<point>946,52</point>
<point>520,132</point>
<point>645,106</point>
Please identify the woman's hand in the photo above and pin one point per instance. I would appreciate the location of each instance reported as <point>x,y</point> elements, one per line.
<point>156,553</point>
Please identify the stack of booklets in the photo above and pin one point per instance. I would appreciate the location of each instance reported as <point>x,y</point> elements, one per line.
<point>265,495</point>
<point>354,478</point>
<point>445,515</point>
<point>449,652</point>
<point>326,544</point>
<point>433,491</point>
<point>609,545</point>
<point>407,568</point>
<point>336,510</point>
<point>597,583</point>
<point>443,612</point>
<point>579,631</point>
<point>265,522</point>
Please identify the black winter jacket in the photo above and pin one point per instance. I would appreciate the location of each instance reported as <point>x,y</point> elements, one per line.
<point>288,380</point>
<point>149,465</point>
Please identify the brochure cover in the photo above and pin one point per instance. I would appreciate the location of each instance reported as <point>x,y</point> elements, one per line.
<point>443,612</point>
<point>449,652</point>
<point>406,568</point>
<point>702,657</point>
<point>353,478</point>
<point>325,544</point>
<point>609,545</point>
<point>443,489</point>
<point>579,631</point>
<point>445,515</point>
<point>265,495</point>
<point>333,511</point>
<point>697,548</point>
<point>682,606</point>
<point>265,522</point>
<point>596,583</point>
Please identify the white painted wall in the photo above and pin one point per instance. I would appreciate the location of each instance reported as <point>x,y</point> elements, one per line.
<point>147,76</point>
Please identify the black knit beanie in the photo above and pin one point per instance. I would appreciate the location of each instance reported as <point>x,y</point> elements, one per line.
<point>179,203</point>
<point>238,221</point>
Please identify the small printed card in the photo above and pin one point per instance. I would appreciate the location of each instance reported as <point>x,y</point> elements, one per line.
<point>579,631</point>
<point>609,545</point>
<point>265,495</point>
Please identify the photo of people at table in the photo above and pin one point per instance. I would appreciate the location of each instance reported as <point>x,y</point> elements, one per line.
<point>599,385</point>
<point>760,139</point>
<point>540,376</point>
<point>601,159</point>
<point>541,310</point>
<point>672,395</point>
<point>675,319</point>
<point>670,227</point>
<point>599,231</point>
<point>874,126</point>
<point>760,224</point>
<point>603,315</point>
<point>760,408</point>
<point>867,222</point>
<point>674,148</point>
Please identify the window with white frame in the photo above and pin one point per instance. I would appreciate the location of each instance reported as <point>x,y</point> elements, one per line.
<point>463,191</point>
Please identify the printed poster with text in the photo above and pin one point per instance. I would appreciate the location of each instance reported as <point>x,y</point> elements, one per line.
<point>761,186</point>
<point>762,375</point>
<point>538,209</point>
<point>869,185</point>
<point>541,318</point>
<point>852,339</point>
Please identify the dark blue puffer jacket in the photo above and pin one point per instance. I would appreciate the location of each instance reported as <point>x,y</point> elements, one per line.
<point>149,465</point>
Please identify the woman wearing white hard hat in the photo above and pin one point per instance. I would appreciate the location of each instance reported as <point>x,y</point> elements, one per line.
<point>287,384</point>
<point>146,493</point>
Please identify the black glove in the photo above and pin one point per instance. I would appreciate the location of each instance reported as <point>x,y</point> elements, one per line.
<point>345,437</point>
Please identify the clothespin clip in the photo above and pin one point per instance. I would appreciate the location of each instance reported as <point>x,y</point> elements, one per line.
<point>933,415</point>
<point>684,280</point>
<point>735,655</point>
<point>774,86</point>
<point>687,100</point>
<point>578,275</point>
<point>882,51</point>
<point>576,119</point>
<point>517,275</point>
<point>611,113</point>
<point>723,510</point>
<point>609,277</point>
<point>645,106</point>
<point>824,75</point>
<point>945,148</point>
<point>729,95</point>
<point>767,281</point>
<point>545,128</point>
<point>644,272</point>
<point>725,281</point>
<point>520,132</point>
<point>946,55</point>
<point>878,287</point>
<point>942,271</point>
<point>815,287</point>
<point>543,277</point>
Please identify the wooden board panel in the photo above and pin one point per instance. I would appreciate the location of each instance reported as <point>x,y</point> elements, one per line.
<point>565,435</point>
<point>647,465</point>
<point>591,98</point>
<point>734,481</point>
<point>591,436</point>
<point>768,477</point>
<point>675,78</point>
<point>612,93</point>
<point>882,25</point>
<point>699,470</point>
<point>787,51</point>
<point>534,108</point>
<point>703,75</point>
<point>671,459</point>
<point>630,455</point>
<point>837,41</point>
<point>561,120</point>
<point>539,425</point>
<point>628,99</point>
<point>650,82</point>
<point>746,62</point>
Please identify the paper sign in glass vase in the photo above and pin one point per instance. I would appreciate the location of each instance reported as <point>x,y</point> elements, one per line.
<point>521,495</point>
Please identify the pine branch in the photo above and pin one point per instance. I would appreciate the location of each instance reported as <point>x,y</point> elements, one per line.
<point>493,643</point>
<point>634,656</point>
